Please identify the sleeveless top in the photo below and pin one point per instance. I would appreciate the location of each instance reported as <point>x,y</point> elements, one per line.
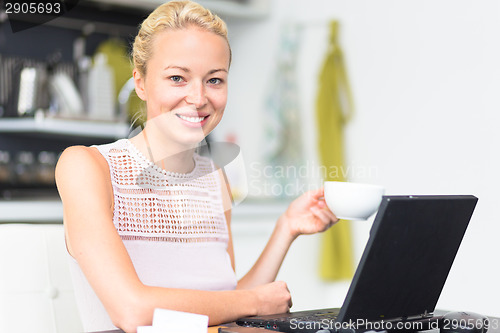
<point>172,225</point>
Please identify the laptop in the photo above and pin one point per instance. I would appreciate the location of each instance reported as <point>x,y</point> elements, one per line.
<point>412,245</point>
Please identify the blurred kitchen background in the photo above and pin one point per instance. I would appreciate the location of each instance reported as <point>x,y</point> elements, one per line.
<point>425,82</point>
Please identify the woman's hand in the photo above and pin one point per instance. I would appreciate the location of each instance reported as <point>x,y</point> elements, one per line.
<point>272,298</point>
<point>308,214</point>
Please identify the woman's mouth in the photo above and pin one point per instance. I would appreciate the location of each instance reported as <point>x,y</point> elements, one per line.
<point>191,119</point>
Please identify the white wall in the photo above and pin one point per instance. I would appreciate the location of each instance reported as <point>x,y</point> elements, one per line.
<point>426,81</point>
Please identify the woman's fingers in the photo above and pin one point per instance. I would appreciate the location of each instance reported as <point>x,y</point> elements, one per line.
<point>330,214</point>
<point>317,194</point>
<point>325,216</point>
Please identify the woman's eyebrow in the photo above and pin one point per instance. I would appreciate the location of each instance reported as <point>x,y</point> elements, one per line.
<point>217,70</point>
<point>187,70</point>
<point>177,67</point>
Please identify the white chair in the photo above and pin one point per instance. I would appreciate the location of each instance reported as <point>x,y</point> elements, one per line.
<point>36,293</point>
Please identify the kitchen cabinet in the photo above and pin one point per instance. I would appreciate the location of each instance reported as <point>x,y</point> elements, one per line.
<point>57,47</point>
<point>25,140</point>
<point>29,149</point>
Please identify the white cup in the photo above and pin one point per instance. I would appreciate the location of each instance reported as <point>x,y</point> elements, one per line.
<point>353,201</point>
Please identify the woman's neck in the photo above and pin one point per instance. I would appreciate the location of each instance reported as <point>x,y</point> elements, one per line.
<point>165,154</point>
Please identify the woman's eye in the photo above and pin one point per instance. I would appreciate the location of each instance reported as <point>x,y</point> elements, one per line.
<point>215,81</point>
<point>176,78</point>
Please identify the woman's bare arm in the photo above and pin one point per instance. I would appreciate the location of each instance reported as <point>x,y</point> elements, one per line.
<point>307,214</point>
<point>84,185</point>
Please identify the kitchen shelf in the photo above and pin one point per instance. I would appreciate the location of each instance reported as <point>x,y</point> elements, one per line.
<point>67,127</point>
<point>240,9</point>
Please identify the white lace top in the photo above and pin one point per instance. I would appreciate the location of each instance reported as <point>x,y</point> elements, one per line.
<point>173,227</point>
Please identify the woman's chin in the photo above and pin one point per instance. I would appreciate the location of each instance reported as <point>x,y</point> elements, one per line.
<point>191,141</point>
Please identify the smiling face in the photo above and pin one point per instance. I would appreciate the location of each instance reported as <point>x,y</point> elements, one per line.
<point>185,87</point>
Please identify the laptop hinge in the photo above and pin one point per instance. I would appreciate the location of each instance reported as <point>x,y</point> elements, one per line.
<point>416,317</point>
<point>427,314</point>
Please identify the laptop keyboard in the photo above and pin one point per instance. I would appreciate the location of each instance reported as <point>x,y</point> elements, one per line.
<point>291,322</point>
<point>317,317</point>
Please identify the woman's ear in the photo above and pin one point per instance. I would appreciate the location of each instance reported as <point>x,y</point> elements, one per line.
<point>140,90</point>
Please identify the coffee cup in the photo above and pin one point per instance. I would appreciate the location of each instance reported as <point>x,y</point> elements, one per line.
<point>353,201</point>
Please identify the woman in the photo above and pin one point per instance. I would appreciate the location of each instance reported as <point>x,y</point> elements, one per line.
<point>147,220</point>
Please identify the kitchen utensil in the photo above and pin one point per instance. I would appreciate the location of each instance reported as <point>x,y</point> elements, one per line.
<point>45,168</point>
<point>10,71</point>
<point>32,90</point>
<point>5,167</point>
<point>67,98</point>
<point>24,167</point>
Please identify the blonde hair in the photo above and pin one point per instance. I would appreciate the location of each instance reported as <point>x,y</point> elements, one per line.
<point>174,15</point>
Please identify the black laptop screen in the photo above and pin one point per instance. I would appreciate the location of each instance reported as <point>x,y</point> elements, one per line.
<point>412,245</point>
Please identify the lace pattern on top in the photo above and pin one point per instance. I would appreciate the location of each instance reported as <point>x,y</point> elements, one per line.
<point>153,204</point>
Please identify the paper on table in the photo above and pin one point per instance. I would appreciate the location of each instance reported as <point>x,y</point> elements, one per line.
<point>168,321</point>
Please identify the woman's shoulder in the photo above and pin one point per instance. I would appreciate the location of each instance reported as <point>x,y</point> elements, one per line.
<point>77,162</point>
<point>87,156</point>
<point>82,172</point>
<point>78,155</point>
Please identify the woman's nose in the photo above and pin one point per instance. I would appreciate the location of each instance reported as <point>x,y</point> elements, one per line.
<point>197,95</point>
